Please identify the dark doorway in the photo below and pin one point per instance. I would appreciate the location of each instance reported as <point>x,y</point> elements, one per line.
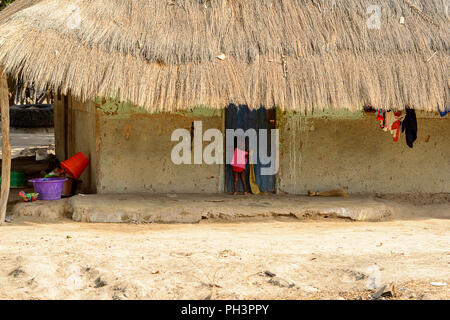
<point>241,117</point>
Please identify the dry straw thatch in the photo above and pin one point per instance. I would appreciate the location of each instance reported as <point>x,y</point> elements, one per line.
<point>297,54</point>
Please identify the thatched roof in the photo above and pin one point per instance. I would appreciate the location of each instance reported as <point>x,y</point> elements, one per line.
<point>162,54</point>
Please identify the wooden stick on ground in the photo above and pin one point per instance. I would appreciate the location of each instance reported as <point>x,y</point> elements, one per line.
<point>6,146</point>
<point>331,193</point>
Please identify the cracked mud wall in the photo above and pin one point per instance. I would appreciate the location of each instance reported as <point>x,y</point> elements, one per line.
<point>130,152</point>
<point>135,151</point>
<point>329,151</point>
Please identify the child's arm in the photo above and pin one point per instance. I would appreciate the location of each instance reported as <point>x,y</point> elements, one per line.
<point>250,155</point>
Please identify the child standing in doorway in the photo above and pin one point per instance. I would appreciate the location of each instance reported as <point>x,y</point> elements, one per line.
<point>240,158</point>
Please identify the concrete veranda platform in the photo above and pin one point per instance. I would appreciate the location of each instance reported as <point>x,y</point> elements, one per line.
<point>192,208</point>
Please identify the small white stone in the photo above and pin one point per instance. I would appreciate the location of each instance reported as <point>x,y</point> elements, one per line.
<point>310,289</point>
<point>438,284</point>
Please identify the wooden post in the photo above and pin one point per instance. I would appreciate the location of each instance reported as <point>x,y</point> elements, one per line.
<point>6,146</point>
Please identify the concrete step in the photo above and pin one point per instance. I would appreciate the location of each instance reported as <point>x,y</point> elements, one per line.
<point>192,208</point>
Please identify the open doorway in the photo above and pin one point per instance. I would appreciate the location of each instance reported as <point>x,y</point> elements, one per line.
<point>31,121</point>
<point>241,117</point>
<point>31,135</point>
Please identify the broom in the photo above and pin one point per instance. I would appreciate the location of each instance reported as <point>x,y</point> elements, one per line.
<point>331,193</point>
<point>252,179</point>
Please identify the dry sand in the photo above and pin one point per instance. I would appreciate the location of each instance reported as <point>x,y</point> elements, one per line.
<point>312,259</point>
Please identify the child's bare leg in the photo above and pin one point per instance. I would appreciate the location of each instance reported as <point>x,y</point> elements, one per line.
<point>235,181</point>
<point>242,174</point>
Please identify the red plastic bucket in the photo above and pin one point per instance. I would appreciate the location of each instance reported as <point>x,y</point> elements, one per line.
<point>48,188</point>
<point>75,165</point>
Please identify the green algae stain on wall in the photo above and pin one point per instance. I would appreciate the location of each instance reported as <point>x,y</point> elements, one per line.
<point>299,121</point>
<point>329,114</point>
<point>117,109</point>
<point>200,111</point>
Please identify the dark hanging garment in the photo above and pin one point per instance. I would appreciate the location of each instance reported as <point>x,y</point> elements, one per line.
<point>409,125</point>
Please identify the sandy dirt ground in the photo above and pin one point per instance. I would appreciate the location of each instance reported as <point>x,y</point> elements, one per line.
<point>27,141</point>
<point>271,259</point>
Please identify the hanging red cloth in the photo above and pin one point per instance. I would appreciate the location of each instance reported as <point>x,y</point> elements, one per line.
<point>396,127</point>
<point>393,123</point>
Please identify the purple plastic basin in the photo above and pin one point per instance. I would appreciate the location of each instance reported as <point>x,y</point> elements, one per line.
<point>48,188</point>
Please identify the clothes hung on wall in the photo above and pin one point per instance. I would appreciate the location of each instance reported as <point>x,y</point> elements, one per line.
<point>409,125</point>
<point>381,116</point>
<point>393,122</point>
<point>399,120</point>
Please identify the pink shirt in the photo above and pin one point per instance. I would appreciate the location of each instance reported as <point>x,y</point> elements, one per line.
<point>239,158</point>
